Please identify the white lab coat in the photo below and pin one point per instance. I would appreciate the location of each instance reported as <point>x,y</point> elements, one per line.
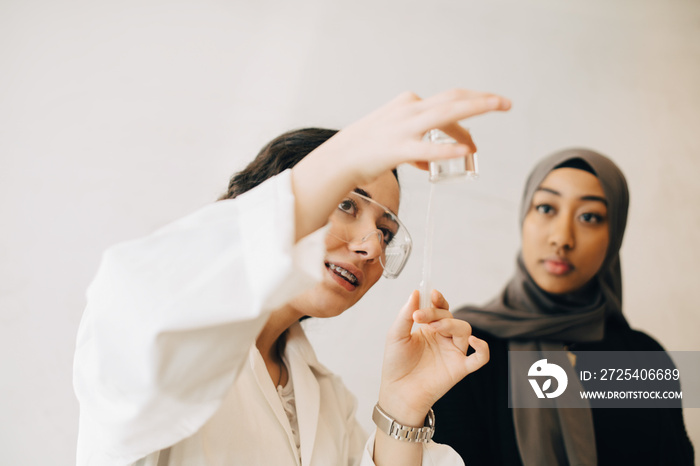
<point>166,357</point>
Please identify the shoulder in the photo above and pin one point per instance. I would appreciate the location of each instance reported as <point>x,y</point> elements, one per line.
<point>644,341</point>
<point>633,340</point>
<point>620,337</point>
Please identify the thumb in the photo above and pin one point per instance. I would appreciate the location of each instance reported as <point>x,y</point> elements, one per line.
<point>401,328</point>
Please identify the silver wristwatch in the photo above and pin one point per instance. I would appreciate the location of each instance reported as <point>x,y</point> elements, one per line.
<point>393,429</point>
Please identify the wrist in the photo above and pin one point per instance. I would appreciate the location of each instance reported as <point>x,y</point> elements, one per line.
<point>394,429</point>
<point>403,412</point>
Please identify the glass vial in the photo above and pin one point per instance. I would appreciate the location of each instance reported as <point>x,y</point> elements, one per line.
<point>451,169</point>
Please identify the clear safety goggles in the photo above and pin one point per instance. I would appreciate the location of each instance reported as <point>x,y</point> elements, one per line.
<point>368,225</point>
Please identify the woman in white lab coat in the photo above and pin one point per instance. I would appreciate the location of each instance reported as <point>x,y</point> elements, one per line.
<point>190,352</point>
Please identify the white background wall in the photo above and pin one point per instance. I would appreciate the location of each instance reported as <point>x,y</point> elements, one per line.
<point>116,118</point>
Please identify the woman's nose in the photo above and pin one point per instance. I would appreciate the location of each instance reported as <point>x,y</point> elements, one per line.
<point>368,245</point>
<point>562,233</point>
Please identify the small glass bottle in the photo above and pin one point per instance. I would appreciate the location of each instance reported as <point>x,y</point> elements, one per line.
<point>451,169</point>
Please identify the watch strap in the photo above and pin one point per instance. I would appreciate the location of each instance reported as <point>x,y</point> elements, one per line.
<point>398,431</point>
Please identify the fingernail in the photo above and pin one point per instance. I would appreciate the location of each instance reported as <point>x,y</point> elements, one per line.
<point>493,101</point>
<point>409,297</point>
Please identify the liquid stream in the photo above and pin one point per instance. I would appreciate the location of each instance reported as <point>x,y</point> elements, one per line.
<point>425,286</point>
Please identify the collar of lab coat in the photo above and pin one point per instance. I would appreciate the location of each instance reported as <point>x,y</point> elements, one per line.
<point>298,344</point>
<point>304,370</point>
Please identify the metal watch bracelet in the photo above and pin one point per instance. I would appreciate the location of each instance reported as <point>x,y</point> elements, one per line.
<point>393,429</point>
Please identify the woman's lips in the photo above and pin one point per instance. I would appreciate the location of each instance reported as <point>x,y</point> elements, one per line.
<point>558,266</point>
<point>352,277</point>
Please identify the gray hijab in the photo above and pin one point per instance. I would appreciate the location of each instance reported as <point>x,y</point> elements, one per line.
<point>534,320</point>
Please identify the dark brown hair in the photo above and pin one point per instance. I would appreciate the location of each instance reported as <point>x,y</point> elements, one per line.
<point>283,152</point>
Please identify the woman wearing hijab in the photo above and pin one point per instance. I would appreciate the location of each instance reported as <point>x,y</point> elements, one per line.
<point>566,295</point>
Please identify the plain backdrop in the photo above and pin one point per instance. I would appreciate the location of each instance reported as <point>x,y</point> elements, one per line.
<point>118,117</point>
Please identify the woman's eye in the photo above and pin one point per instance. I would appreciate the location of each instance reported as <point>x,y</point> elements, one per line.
<point>544,209</point>
<point>591,218</point>
<point>387,235</point>
<point>348,206</point>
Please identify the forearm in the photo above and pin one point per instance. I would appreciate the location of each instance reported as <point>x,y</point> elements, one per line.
<point>319,183</point>
<point>171,317</point>
<point>389,451</point>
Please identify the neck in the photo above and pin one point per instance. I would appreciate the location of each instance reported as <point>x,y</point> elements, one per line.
<point>270,340</point>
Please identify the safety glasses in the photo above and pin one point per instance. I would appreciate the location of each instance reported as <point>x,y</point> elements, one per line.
<point>367,224</point>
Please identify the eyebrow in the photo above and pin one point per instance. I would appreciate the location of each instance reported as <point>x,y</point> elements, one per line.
<point>386,215</point>
<point>363,192</point>
<point>583,198</point>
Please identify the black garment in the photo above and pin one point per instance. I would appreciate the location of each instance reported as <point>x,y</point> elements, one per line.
<point>474,418</point>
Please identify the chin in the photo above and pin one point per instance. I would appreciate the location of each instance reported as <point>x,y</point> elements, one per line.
<point>562,288</point>
<point>554,286</point>
<point>321,311</point>
<point>324,302</point>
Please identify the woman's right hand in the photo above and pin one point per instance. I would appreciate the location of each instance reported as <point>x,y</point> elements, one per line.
<point>393,134</point>
<point>389,136</point>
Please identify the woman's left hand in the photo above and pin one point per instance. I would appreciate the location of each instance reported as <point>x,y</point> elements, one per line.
<point>421,366</point>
